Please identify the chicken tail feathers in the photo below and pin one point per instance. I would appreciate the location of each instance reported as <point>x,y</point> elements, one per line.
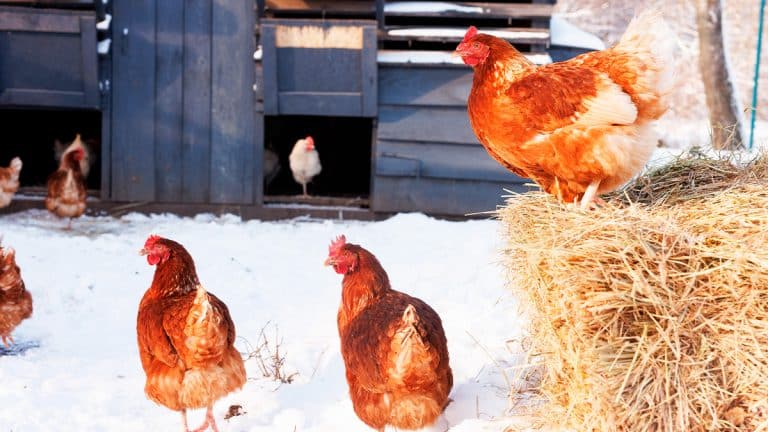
<point>410,342</point>
<point>648,32</point>
<point>204,336</point>
<point>16,166</point>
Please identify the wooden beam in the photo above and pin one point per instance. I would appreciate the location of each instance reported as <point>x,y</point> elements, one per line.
<point>472,10</point>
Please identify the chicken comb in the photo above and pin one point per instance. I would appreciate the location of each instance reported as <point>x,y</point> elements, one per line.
<point>471,32</point>
<point>336,245</point>
<point>151,240</point>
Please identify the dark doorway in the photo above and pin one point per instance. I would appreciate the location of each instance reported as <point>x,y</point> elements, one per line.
<point>31,133</point>
<point>344,146</point>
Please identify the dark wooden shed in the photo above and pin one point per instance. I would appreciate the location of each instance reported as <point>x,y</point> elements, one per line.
<point>185,97</point>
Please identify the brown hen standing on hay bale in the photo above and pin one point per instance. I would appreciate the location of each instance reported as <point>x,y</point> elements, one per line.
<point>578,128</point>
<point>185,336</point>
<point>393,345</point>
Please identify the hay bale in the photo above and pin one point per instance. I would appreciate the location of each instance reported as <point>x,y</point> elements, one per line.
<point>648,317</point>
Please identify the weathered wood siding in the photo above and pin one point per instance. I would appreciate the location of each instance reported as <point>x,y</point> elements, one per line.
<point>426,156</point>
<point>48,58</point>
<point>314,67</point>
<point>184,125</point>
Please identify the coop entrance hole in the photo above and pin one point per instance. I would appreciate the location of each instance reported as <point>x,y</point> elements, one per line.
<point>31,133</point>
<point>344,145</point>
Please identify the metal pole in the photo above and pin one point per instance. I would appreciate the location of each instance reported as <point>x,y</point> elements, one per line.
<point>757,74</point>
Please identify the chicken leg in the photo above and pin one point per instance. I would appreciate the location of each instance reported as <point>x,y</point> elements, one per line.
<point>304,188</point>
<point>6,339</point>
<point>209,421</point>
<point>589,195</point>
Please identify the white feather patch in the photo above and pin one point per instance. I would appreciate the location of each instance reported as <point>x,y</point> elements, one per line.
<point>610,106</point>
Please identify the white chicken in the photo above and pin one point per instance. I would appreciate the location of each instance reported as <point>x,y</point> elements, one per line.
<point>9,181</point>
<point>305,162</point>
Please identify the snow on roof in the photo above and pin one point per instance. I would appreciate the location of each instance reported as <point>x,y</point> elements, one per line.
<point>564,33</point>
<point>437,57</point>
<point>458,33</point>
<point>425,7</point>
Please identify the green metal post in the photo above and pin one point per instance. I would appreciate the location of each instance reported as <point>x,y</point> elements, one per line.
<point>757,74</point>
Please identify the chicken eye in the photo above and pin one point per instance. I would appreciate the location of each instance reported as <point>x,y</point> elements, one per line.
<point>476,45</point>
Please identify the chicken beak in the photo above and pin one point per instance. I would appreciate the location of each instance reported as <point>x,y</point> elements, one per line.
<point>329,261</point>
<point>456,53</point>
<point>143,252</point>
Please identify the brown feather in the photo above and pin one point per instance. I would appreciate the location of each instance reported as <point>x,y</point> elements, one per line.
<point>15,300</point>
<point>396,363</point>
<point>66,189</point>
<point>565,125</point>
<point>186,340</point>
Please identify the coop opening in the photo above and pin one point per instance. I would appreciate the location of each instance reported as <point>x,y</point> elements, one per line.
<point>343,145</point>
<point>38,138</point>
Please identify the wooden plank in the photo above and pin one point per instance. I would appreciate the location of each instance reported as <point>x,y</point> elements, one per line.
<point>258,85</point>
<point>318,6</point>
<point>441,59</point>
<point>105,70</point>
<point>319,70</point>
<point>258,155</point>
<point>439,196</point>
<point>475,10</point>
<point>424,86</point>
<point>25,19</point>
<point>54,3</point>
<point>439,160</point>
<point>456,34</point>
<point>196,147</point>
<point>89,63</point>
<point>317,200</point>
<point>169,102</point>
<point>133,108</point>
<point>317,103</point>
<point>233,150</point>
<point>432,124</point>
<point>42,97</point>
<point>269,65</point>
<point>369,73</point>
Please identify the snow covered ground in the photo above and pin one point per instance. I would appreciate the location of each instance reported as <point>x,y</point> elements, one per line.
<point>81,370</point>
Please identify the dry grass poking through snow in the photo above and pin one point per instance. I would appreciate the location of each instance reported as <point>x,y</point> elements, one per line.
<point>649,317</point>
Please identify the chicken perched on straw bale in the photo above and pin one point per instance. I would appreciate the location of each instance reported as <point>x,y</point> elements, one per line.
<point>649,317</point>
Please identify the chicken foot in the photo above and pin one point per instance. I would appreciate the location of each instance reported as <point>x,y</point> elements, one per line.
<point>209,421</point>
<point>590,196</point>
<point>6,339</point>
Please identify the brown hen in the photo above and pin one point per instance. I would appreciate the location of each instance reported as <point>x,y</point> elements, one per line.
<point>578,128</point>
<point>393,345</point>
<point>185,336</point>
<point>66,187</point>
<point>15,300</point>
<point>9,181</point>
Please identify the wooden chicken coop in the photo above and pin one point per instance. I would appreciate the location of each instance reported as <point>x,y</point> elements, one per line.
<point>196,104</point>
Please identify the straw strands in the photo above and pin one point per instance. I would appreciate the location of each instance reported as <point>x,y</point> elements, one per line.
<point>649,317</point>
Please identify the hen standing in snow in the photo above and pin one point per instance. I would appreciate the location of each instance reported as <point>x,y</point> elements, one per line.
<point>9,181</point>
<point>185,336</point>
<point>305,162</point>
<point>393,345</point>
<point>15,301</point>
<point>66,187</point>
<point>578,128</point>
